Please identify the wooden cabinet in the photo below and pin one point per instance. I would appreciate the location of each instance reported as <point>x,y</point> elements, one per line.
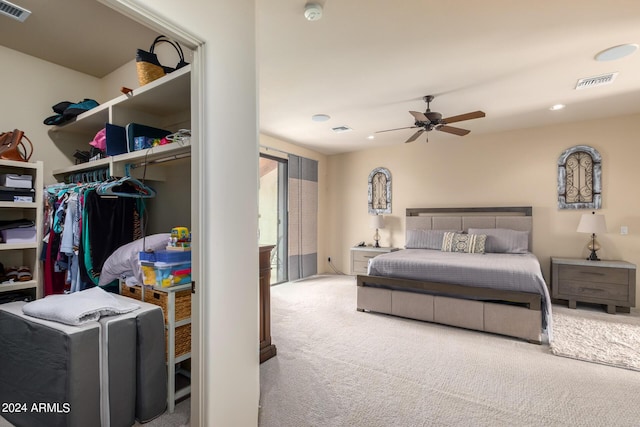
<point>16,254</point>
<point>612,283</point>
<point>360,256</point>
<point>267,349</point>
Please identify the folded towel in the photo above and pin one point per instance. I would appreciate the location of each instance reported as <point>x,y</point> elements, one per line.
<point>79,307</point>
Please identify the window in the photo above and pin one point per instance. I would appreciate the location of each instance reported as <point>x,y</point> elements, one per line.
<point>579,178</point>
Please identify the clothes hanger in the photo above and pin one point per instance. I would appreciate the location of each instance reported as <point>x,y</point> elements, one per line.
<point>127,186</point>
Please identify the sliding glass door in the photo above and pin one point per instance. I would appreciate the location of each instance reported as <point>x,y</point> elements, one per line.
<point>273,213</point>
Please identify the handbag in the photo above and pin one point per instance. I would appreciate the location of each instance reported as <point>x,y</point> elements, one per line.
<point>12,146</point>
<point>148,66</point>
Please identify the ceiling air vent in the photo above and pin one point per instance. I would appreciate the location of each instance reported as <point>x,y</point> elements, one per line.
<point>601,80</point>
<point>12,11</point>
<point>340,129</point>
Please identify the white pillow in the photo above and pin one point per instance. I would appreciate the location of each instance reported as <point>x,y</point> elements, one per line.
<point>503,240</point>
<point>123,261</point>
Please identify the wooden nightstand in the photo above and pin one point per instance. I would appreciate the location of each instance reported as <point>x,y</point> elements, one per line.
<point>360,256</point>
<point>612,283</point>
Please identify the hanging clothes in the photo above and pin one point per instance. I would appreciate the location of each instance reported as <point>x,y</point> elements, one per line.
<point>107,225</point>
<point>84,229</point>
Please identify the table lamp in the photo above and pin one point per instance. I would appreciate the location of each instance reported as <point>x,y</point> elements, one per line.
<point>377,222</point>
<point>592,223</point>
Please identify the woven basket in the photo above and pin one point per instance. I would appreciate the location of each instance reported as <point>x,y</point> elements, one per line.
<point>148,72</point>
<point>134,292</point>
<point>147,65</point>
<point>182,304</point>
<point>183,341</point>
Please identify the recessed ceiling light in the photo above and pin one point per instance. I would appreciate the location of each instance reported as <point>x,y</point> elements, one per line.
<point>370,137</point>
<point>320,117</point>
<point>616,52</point>
<point>557,107</point>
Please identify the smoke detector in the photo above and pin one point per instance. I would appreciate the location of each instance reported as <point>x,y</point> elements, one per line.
<point>312,11</point>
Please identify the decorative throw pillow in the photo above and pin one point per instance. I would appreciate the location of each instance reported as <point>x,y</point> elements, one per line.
<point>467,243</point>
<point>425,239</point>
<point>503,240</point>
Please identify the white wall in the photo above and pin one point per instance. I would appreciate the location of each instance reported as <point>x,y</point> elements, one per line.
<point>31,88</point>
<point>229,195</point>
<point>517,168</point>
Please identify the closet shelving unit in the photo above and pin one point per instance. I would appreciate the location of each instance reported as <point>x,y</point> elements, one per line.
<point>164,103</point>
<point>27,254</point>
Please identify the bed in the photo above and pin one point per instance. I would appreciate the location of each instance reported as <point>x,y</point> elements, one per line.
<point>492,283</point>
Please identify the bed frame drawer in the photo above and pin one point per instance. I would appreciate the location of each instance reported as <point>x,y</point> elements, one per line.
<point>457,312</point>
<point>374,299</point>
<point>513,321</point>
<point>412,305</point>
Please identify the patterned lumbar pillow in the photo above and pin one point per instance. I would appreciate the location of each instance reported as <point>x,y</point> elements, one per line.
<point>467,243</point>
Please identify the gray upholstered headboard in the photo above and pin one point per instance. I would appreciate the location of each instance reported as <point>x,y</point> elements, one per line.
<point>514,218</point>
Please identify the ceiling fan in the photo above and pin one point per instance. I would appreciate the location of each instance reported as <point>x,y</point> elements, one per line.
<point>431,120</point>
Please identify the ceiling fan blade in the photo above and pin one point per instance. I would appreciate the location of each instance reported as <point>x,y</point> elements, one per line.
<point>461,117</point>
<point>415,136</point>
<point>455,131</point>
<point>420,117</point>
<point>389,130</point>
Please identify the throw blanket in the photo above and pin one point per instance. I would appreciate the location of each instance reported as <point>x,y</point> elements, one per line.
<point>79,307</point>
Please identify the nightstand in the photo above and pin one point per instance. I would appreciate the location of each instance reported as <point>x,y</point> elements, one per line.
<point>360,256</point>
<point>612,283</point>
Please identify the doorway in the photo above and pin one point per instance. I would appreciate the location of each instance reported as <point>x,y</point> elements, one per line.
<point>272,211</point>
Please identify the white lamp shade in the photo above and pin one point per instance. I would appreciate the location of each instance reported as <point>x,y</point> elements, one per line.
<point>377,221</point>
<point>592,224</point>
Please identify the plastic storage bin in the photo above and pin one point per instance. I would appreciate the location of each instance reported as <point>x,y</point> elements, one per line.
<point>165,268</point>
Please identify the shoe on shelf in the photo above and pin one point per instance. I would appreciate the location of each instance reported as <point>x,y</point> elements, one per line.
<point>24,274</point>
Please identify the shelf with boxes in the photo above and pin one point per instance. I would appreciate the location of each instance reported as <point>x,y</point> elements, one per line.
<point>21,210</point>
<point>163,103</point>
<point>166,276</point>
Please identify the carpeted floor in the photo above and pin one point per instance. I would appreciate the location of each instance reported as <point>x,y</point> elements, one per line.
<point>340,367</point>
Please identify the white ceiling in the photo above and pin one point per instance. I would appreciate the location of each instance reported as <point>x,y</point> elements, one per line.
<point>85,36</point>
<point>366,63</point>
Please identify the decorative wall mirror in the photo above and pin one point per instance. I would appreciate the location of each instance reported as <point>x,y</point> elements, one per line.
<point>579,178</point>
<point>380,191</point>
